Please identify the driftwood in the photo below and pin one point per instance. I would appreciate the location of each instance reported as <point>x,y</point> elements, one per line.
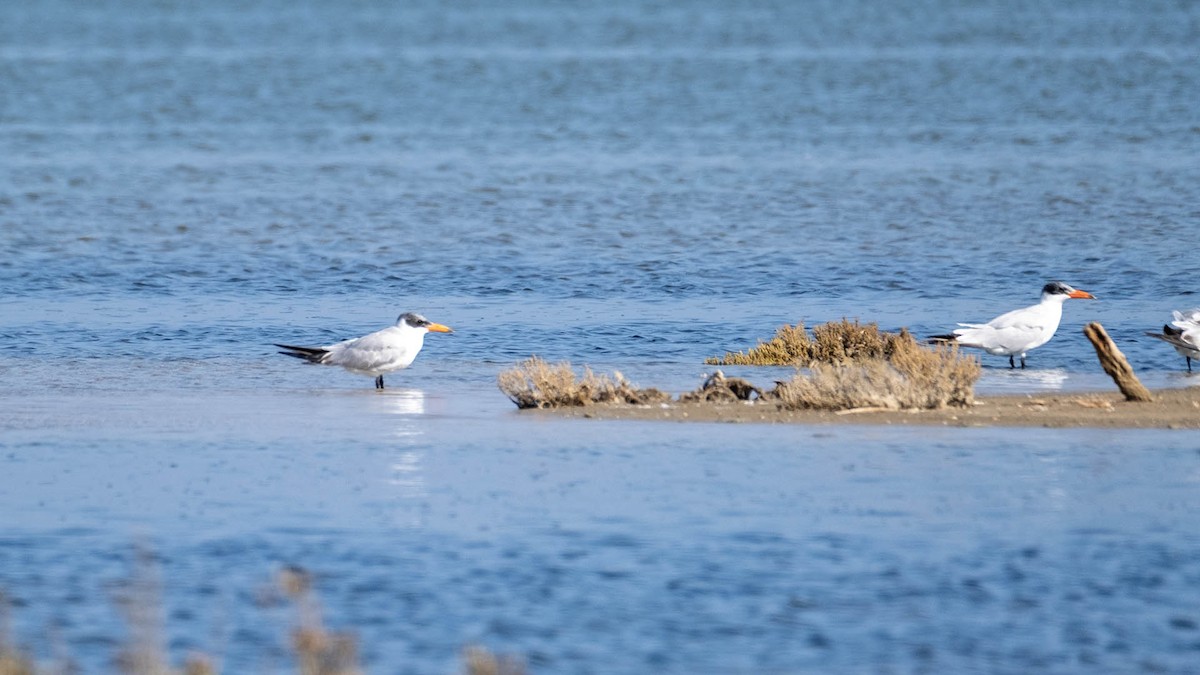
<point>1115,364</point>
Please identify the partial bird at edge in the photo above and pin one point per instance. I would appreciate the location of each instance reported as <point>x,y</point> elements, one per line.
<point>1183,334</point>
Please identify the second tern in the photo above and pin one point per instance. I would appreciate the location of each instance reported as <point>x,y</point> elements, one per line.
<point>1015,333</point>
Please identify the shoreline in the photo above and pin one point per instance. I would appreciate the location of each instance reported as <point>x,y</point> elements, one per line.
<point>1170,409</point>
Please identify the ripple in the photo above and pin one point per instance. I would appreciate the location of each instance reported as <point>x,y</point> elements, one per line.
<point>628,187</point>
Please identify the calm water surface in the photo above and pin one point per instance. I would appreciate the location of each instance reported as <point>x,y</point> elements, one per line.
<point>627,185</point>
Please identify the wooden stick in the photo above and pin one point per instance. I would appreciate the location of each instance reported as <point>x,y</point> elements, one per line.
<point>1114,363</point>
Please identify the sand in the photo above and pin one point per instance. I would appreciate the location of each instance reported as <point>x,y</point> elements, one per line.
<point>1171,409</point>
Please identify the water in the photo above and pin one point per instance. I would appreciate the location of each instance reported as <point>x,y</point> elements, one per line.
<point>627,185</point>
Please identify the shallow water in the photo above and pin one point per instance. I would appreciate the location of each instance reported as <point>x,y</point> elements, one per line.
<point>633,186</point>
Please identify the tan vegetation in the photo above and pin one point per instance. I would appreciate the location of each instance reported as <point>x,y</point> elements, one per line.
<point>836,342</point>
<point>849,365</point>
<point>854,365</point>
<point>317,649</point>
<point>534,383</point>
<point>13,661</point>
<point>479,661</point>
<point>913,378</point>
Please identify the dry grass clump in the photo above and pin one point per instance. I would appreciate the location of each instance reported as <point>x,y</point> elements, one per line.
<point>141,602</point>
<point>480,661</point>
<point>790,346</point>
<point>836,342</point>
<point>13,660</point>
<point>318,650</point>
<point>913,378</point>
<point>533,383</point>
<point>850,366</point>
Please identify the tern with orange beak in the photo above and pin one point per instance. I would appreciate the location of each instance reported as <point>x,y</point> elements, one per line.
<point>1018,331</point>
<point>377,354</point>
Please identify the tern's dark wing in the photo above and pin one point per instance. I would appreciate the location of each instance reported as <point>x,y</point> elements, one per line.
<point>310,354</point>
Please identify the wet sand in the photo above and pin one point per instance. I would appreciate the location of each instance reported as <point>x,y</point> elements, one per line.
<point>1171,409</point>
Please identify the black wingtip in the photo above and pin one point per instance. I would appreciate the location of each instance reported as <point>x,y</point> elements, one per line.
<point>939,339</point>
<point>303,350</point>
<point>312,354</point>
<point>297,355</point>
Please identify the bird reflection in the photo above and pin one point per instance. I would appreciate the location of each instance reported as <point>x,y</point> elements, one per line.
<point>406,476</point>
<point>1041,379</point>
<point>400,401</point>
<point>405,470</point>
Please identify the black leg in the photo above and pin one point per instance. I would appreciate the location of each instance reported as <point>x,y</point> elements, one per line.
<point>379,382</point>
<point>1022,363</point>
<point>1189,363</point>
<point>1011,364</point>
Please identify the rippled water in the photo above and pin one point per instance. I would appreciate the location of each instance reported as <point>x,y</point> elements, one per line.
<point>628,185</point>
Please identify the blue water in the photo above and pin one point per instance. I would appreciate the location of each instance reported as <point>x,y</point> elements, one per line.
<point>626,185</point>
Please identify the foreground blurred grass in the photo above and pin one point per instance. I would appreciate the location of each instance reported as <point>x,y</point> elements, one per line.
<point>315,648</point>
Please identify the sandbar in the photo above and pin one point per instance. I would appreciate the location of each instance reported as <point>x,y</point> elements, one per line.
<point>1170,409</point>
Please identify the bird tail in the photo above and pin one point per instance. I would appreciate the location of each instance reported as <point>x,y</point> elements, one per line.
<point>310,354</point>
<point>1171,337</point>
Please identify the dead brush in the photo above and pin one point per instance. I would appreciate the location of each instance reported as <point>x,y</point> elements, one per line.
<point>790,346</point>
<point>913,378</point>
<point>145,652</point>
<point>480,661</point>
<point>318,650</point>
<point>13,660</point>
<point>533,383</point>
<point>836,342</point>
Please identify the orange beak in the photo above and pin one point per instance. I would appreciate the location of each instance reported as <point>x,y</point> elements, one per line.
<point>439,328</point>
<point>1084,295</point>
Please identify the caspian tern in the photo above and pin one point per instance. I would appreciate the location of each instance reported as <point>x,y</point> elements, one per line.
<point>1183,334</point>
<point>1018,331</point>
<point>384,351</point>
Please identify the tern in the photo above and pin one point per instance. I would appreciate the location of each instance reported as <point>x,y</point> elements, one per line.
<point>1183,334</point>
<point>1018,331</point>
<point>376,354</point>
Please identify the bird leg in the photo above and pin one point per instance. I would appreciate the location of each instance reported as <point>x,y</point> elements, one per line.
<point>379,382</point>
<point>1011,363</point>
<point>1189,360</point>
<point>1022,362</point>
